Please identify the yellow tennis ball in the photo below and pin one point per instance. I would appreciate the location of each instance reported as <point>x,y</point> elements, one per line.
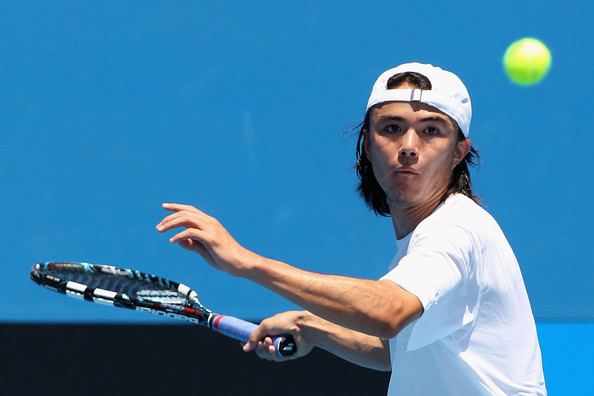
<point>527,61</point>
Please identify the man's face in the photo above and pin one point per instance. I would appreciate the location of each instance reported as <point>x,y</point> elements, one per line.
<point>413,149</point>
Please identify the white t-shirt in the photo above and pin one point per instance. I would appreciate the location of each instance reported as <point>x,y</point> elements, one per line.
<point>477,334</point>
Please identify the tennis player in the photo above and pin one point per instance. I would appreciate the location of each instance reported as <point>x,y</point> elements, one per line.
<point>451,316</point>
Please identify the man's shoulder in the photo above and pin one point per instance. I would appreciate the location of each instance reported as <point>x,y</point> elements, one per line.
<point>459,212</point>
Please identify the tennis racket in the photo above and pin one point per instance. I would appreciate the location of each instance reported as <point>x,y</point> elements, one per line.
<point>127,288</point>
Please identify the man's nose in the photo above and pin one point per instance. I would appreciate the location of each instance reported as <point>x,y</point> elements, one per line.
<point>408,152</point>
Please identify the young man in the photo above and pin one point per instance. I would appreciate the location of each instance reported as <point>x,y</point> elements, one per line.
<point>451,317</point>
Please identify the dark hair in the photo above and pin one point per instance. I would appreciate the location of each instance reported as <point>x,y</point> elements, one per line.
<point>370,190</point>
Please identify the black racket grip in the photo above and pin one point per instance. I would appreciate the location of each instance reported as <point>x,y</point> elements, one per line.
<point>285,345</point>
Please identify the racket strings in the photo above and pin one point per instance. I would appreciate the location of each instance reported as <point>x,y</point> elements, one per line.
<point>134,286</point>
<point>122,287</point>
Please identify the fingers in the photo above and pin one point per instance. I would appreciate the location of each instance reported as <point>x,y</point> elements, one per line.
<point>265,349</point>
<point>261,339</point>
<point>205,235</point>
<point>260,333</point>
<point>175,207</point>
<point>184,216</point>
<point>192,237</point>
<point>187,212</point>
<point>182,219</point>
<point>285,323</point>
<point>191,244</point>
<point>259,346</point>
<point>192,212</point>
<point>194,220</point>
<point>189,233</point>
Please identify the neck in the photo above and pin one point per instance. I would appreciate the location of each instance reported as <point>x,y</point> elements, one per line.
<point>407,216</point>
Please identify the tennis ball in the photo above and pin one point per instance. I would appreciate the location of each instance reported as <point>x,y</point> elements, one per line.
<point>527,61</point>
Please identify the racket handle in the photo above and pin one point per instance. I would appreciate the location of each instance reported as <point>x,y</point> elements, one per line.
<point>241,330</point>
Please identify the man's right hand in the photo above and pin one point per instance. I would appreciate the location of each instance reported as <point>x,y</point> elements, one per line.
<point>291,323</point>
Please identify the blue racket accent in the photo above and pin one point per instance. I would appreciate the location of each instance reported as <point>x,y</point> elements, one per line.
<point>241,330</point>
<point>232,327</point>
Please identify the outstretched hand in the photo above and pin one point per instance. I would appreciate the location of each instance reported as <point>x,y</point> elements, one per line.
<point>204,235</point>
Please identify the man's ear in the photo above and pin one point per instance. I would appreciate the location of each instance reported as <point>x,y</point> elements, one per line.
<point>462,148</point>
<point>366,141</point>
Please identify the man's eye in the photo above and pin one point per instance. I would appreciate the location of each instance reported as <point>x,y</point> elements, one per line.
<point>391,129</point>
<point>431,131</point>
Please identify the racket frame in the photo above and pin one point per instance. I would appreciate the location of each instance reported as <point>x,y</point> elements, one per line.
<point>192,311</point>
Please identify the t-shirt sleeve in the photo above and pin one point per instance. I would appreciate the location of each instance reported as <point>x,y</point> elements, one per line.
<point>438,268</point>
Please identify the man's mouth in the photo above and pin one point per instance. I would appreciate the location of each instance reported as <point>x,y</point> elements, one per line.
<point>406,170</point>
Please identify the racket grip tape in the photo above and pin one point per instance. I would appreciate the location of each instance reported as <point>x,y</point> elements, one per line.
<point>241,330</point>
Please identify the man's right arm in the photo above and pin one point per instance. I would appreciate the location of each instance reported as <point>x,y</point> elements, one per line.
<point>311,331</point>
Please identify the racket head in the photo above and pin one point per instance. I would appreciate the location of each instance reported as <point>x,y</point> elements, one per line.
<point>121,287</point>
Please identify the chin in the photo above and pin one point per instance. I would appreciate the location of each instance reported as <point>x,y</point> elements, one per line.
<point>403,199</point>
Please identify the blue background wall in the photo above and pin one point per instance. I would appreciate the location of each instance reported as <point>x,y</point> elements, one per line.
<point>246,109</point>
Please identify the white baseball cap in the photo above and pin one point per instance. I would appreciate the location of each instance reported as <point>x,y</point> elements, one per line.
<point>447,94</point>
